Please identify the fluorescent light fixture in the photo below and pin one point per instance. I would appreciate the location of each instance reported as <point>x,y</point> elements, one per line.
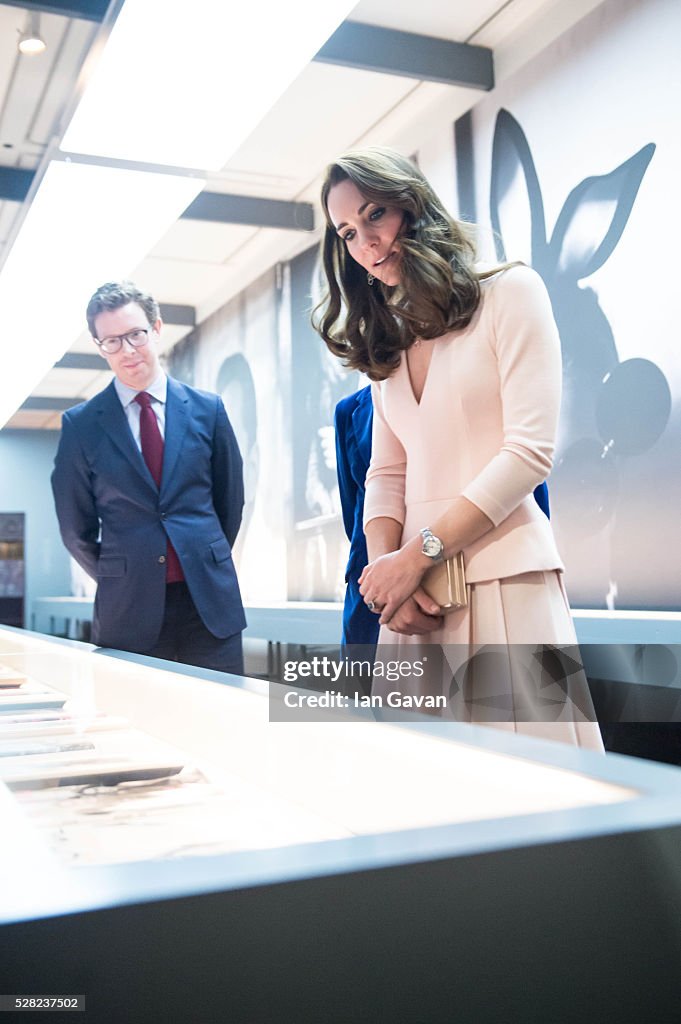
<point>185,85</point>
<point>31,43</point>
<point>87,224</point>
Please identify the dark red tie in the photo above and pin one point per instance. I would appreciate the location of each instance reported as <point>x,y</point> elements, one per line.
<point>152,450</point>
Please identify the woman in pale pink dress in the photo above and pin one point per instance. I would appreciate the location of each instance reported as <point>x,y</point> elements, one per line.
<point>467,376</point>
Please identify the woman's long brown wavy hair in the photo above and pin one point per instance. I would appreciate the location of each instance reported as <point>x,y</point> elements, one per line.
<point>439,291</point>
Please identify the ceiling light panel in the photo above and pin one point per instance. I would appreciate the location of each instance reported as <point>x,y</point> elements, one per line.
<point>185,88</point>
<point>186,281</point>
<point>298,133</point>
<point>199,241</point>
<point>456,19</point>
<point>65,383</point>
<point>87,224</point>
<point>32,419</point>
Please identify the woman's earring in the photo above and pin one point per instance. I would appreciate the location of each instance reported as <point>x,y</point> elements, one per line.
<point>370,279</point>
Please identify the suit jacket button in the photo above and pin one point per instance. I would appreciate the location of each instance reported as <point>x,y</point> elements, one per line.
<point>163,515</point>
<point>161,559</point>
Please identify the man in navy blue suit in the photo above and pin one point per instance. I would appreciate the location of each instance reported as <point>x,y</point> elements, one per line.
<point>148,487</point>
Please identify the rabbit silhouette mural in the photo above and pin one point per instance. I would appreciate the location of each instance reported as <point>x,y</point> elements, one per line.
<point>612,410</point>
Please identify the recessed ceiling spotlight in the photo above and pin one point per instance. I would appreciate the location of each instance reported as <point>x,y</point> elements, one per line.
<point>31,42</point>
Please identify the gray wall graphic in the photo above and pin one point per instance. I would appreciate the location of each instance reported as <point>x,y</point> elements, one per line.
<point>569,167</point>
<point>318,547</point>
<point>612,409</point>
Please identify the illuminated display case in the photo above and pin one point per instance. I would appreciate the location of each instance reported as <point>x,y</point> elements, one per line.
<point>346,870</point>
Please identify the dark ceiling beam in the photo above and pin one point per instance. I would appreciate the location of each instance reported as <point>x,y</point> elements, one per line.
<point>15,183</point>
<point>48,403</point>
<point>209,206</point>
<point>264,213</point>
<point>178,316</point>
<point>88,10</point>
<point>81,361</point>
<point>353,45</point>
<point>391,52</point>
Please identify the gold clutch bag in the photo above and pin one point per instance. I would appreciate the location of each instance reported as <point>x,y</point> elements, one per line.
<point>446,584</point>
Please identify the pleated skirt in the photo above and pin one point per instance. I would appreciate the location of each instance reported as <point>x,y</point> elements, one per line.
<point>509,660</point>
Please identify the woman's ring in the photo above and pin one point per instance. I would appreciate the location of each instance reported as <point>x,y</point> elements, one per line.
<point>370,605</point>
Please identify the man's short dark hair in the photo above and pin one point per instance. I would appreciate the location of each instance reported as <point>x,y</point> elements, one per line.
<point>115,294</point>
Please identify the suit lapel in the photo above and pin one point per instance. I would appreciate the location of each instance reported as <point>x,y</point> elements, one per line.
<point>177,421</point>
<point>115,423</point>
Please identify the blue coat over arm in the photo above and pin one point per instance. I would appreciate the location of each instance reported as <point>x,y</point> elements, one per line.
<point>101,480</point>
<point>354,421</point>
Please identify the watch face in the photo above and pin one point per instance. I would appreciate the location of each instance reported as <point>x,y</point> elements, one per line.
<point>432,546</point>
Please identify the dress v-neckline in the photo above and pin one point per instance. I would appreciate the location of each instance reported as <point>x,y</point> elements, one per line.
<point>418,400</point>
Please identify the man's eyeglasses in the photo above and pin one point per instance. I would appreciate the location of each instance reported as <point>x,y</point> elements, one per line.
<point>136,338</point>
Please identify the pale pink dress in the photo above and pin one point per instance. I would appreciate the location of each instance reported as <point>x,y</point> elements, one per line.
<point>485,429</point>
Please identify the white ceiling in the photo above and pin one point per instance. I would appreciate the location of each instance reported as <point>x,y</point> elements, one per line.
<point>326,110</point>
<point>455,19</point>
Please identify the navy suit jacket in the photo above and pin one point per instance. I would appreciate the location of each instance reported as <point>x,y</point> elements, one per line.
<point>353,421</point>
<point>115,521</point>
